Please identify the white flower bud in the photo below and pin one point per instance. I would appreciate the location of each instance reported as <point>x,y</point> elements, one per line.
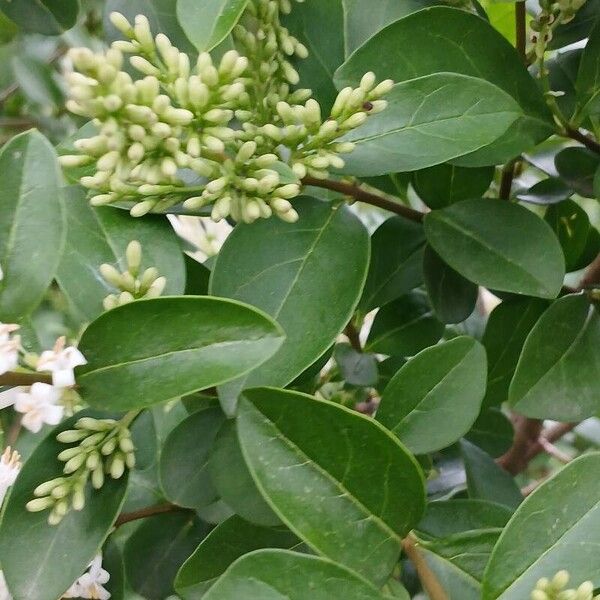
<point>39,504</point>
<point>121,23</point>
<point>112,103</point>
<point>312,112</point>
<point>221,208</point>
<point>109,161</point>
<point>381,89</point>
<point>136,132</point>
<point>142,208</point>
<point>148,277</point>
<point>210,76</point>
<point>336,162</point>
<point>340,102</point>
<point>233,91</point>
<point>218,116</point>
<point>193,146</point>
<point>290,190</point>
<point>299,170</point>
<point>178,116</point>
<point>125,298</point>
<point>143,33</point>
<point>140,114</point>
<point>111,275</point>
<point>356,120</point>
<point>266,160</point>
<point>280,205</point>
<point>124,46</point>
<point>560,580</point>
<point>228,62</point>
<point>241,64</point>
<point>213,143</point>
<point>136,152</point>
<point>168,166</point>
<point>291,216</point>
<point>74,160</point>
<point>161,130</point>
<point>539,595</point>
<point>251,211</point>
<point>143,65</point>
<point>301,50</point>
<point>102,199</point>
<point>290,73</point>
<point>284,110</point>
<point>585,591</point>
<point>268,183</point>
<point>133,254</point>
<point>204,61</point>
<point>194,203</point>
<point>82,58</point>
<point>201,167</point>
<point>368,81</point>
<point>273,132</point>
<point>245,152</point>
<point>216,185</point>
<point>157,288</point>
<point>197,91</point>
<point>111,301</point>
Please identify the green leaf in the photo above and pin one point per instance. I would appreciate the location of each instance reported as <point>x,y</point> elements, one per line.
<point>101,235</point>
<point>184,474</point>
<point>443,39</point>
<point>196,278</point>
<point>555,528</point>
<point>157,549</point>
<point>577,29</point>
<point>356,368</point>
<point>577,166</point>
<point>233,482</point>
<point>468,551</point>
<point>430,120</point>
<point>588,76</point>
<point>498,244</point>
<point>208,22</point>
<point>284,574</point>
<point>492,432</point>
<point>48,17</point>
<point>222,546</point>
<point>276,266</point>
<point>404,327</point>
<point>174,346</point>
<point>38,82</point>
<point>446,184</point>
<point>507,328</point>
<point>559,369</point>
<point>32,228</point>
<point>444,518</point>
<point>112,562</point>
<point>563,68</point>
<point>32,552</point>
<point>396,257</point>
<point>455,582</point>
<point>486,480</point>
<point>364,19</point>
<point>452,296</point>
<point>308,459</point>
<point>435,397</point>
<point>546,191</point>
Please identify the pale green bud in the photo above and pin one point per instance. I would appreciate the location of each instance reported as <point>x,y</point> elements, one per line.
<point>39,504</point>
<point>284,110</point>
<point>340,102</point>
<point>74,463</point>
<point>140,114</point>
<point>78,499</point>
<point>94,181</point>
<point>214,144</point>
<point>560,580</point>
<point>82,58</point>
<point>280,205</point>
<point>291,216</point>
<point>110,302</point>
<point>194,203</point>
<point>233,91</point>
<point>147,279</point>
<point>378,106</point>
<point>74,160</point>
<point>109,447</point>
<point>218,116</point>
<point>124,46</point>
<point>60,491</point>
<point>133,254</point>
<point>585,591</point>
<point>136,152</point>
<point>143,33</point>
<point>368,81</point>
<point>126,444</point>
<point>193,146</point>
<point>290,190</point>
<point>93,460</point>
<point>113,103</point>
<point>71,435</point>
<point>221,208</point>
<point>91,424</point>
<point>69,453</point>
<point>301,50</point>
<point>45,488</point>
<point>117,466</point>
<point>312,112</point>
<point>98,477</point>
<point>128,284</point>
<point>197,92</point>
<point>216,185</point>
<point>201,167</point>
<point>344,147</point>
<point>178,116</point>
<point>125,298</point>
<point>290,73</point>
<point>299,170</point>
<point>142,208</point>
<point>245,152</point>
<point>144,66</point>
<point>111,275</point>
<point>102,199</point>
<point>168,166</point>
<point>121,23</point>
<point>356,120</point>
<point>251,211</point>
<point>381,89</point>
<point>54,518</point>
<point>109,161</point>
<point>156,289</point>
<point>130,460</point>
<point>273,132</point>
<point>266,160</point>
<point>539,595</point>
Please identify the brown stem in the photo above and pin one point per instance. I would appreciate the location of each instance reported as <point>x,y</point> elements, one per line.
<point>521,29</point>
<point>353,337</point>
<point>149,511</point>
<point>508,173</point>
<point>13,378</point>
<point>552,450</point>
<point>592,274</point>
<point>356,192</point>
<point>428,579</point>
<point>584,139</point>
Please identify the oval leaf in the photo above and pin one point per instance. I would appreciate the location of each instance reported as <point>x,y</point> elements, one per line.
<point>499,245</point>
<point>277,266</point>
<point>174,346</point>
<point>222,546</point>
<point>308,459</point>
<point>555,528</point>
<point>436,396</point>
<point>101,235</point>
<point>208,22</point>
<point>32,227</point>
<point>285,574</point>
<point>32,552</point>
<point>48,17</point>
<point>559,369</point>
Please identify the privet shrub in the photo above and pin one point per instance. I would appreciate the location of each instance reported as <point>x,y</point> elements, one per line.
<point>299,300</point>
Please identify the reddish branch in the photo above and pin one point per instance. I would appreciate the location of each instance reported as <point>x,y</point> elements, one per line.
<point>144,513</point>
<point>589,142</point>
<point>356,192</point>
<point>427,577</point>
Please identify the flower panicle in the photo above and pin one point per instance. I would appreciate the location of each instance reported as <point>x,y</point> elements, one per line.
<point>556,589</point>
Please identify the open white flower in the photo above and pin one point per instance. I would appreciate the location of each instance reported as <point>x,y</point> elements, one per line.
<point>9,347</point>
<point>10,465</point>
<point>90,584</point>
<point>39,405</point>
<point>61,361</point>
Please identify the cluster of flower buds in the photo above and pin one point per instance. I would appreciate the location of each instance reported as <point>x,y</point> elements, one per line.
<point>132,284</point>
<point>270,47</point>
<point>104,446</point>
<point>208,134</point>
<point>554,589</point>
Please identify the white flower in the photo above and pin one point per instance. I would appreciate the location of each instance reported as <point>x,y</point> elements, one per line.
<point>61,361</point>
<point>39,406</point>
<point>9,347</point>
<point>90,584</point>
<point>4,593</point>
<point>10,466</point>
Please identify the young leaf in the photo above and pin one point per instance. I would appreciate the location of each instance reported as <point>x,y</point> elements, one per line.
<point>285,574</point>
<point>430,120</point>
<point>233,482</point>
<point>328,472</point>
<point>184,475</point>
<point>436,396</point>
<point>220,548</point>
<point>356,368</point>
<point>499,245</point>
<point>404,327</point>
<point>277,266</point>
<point>208,22</point>
<point>47,17</point>
<point>164,543</point>
<point>559,369</point>
<point>486,480</point>
<point>32,552</point>
<point>101,235</point>
<point>32,227</point>
<point>556,527</point>
<point>174,346</point>
<point>396,257</point>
